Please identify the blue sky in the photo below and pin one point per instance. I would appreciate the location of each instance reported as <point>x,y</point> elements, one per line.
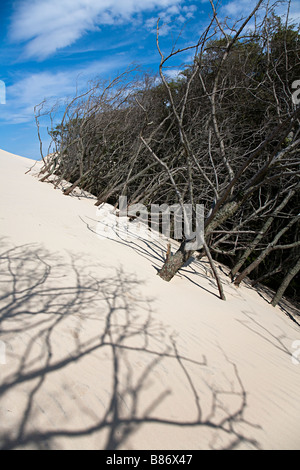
<point>50,47</point>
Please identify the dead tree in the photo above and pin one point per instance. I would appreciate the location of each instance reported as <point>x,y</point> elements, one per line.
<point>252,246</point>
<point>225,134</point>
<point>271,246</point>
<point>294,270</point>
<point>233,196</point>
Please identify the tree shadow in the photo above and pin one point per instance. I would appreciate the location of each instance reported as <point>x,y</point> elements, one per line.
<point>91,365</point>
<point>152,246</point>
<point>290,309</point>
<point>277,339</point>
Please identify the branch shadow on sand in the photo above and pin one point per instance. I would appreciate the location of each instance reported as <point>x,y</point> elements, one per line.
<point>90,365</point>
<point>152,246</point>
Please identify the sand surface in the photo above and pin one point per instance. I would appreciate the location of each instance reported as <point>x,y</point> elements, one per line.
<point>97,352</point>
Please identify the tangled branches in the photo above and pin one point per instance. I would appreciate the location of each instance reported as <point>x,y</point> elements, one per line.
<point>224,134</point>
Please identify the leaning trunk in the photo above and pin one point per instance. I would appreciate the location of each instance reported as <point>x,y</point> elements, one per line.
<point>176,262</point>
<point>285,283</point>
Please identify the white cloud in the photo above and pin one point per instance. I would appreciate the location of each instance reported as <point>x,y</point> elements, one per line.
<point>189,10</point>
<point>46,26</point>
<point>30,91</point>
<point>240,8</point>
<point>170,18</point>
<point>237,10</point>
<point>33,88</point>
<point>235,7</point>
<point>294,14</point>
<point>173,74</point>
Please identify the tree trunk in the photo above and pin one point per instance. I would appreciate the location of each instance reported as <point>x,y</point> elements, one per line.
<point>174,262</point>
<point>77,182</point>
<point>218,280</point>
<point>261,234</point>
<point>265,252</point>
<point>285,283</point>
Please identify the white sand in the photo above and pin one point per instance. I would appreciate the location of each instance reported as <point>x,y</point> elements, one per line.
<point>103,354</point>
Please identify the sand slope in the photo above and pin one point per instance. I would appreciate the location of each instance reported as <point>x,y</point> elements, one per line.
<point>102,354</point>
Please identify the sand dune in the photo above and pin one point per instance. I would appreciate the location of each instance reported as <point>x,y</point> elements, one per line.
<point>99,353</point>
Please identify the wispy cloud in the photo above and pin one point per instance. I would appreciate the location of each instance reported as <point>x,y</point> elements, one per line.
<point>32,88</point>
<point>44,27</point>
